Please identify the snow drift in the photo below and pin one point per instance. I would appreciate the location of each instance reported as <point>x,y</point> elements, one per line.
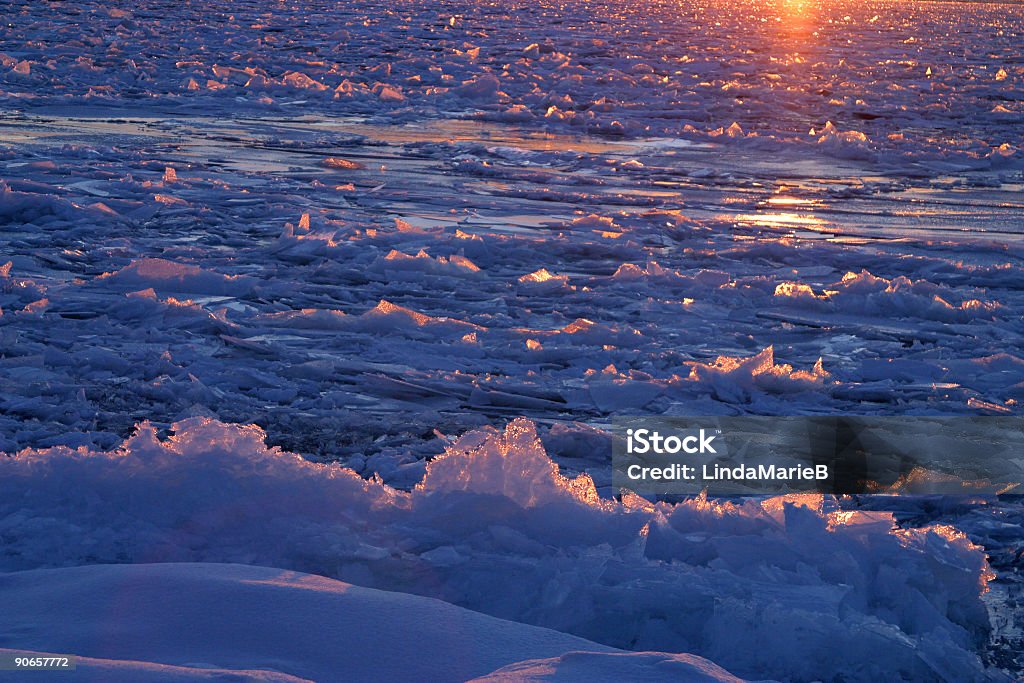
<point>233,622</point>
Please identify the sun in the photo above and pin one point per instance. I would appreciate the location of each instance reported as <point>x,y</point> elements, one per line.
<point>798,18</point>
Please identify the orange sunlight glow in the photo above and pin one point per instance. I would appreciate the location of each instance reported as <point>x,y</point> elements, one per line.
<point>798,19</point>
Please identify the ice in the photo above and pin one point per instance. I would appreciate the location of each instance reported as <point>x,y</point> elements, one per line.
<point>543,281</point>
<point>760,587</point>
<point>368,231</point>
<point>168,276</point>
<point>396,265</point>
<point>29,207</point>
<point>864,293</point>
<point>733,379</point>
<point>480,88</point>
<point>387,317</point>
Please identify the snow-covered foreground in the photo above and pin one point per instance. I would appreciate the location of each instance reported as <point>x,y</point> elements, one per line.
<point>372,228</point>
<point>188,622</point>
<point>794,589</point>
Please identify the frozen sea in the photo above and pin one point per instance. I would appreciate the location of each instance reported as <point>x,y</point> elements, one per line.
<point>364,230</point>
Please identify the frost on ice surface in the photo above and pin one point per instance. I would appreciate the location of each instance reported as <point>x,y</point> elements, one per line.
<point>759,587</point>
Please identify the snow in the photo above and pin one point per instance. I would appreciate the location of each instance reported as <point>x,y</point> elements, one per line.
<point>171,622</point>
<point>762,588</point>
<point>359,233</point>
<point>588,666</point>
<point>102,670</point>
